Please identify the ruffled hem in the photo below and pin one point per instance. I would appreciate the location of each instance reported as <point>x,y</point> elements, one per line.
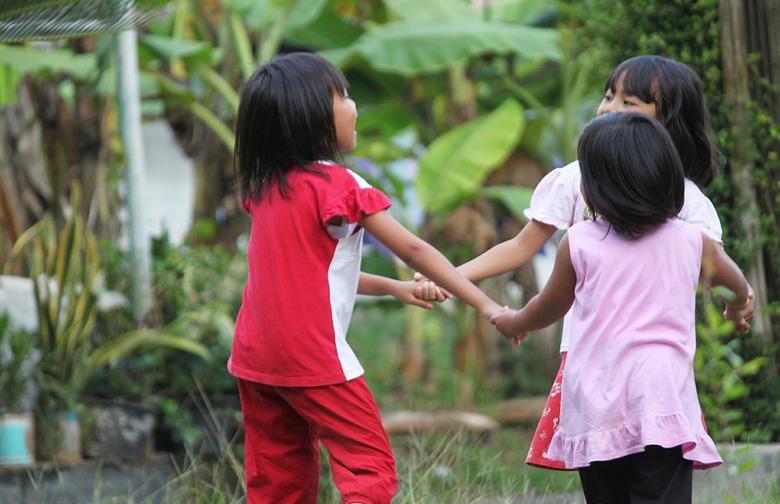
<point>356,204</point>
<point>666,431</point>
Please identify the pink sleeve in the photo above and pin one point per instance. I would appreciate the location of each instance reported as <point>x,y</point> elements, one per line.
<point>557,199</point>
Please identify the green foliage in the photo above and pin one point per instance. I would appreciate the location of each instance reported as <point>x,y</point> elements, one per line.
<point>744,462</point>
<point>395,47</point>
<point>64,265</point>
<point>455,165</point>
<point>198,292</point>
<point>720,373</point>
<point>16,353</point>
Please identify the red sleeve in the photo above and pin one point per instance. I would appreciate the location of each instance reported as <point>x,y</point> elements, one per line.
<point>355,204</point>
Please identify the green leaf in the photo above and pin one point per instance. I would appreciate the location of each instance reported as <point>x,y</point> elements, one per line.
<point>456,163</point>
<point>432,10</point>
<point>129,342</point>
<point>9,83</point>
<point>304,12</point>
<point>168,48</point>
<point>753,366</point>
<point>417,47</point>
<point>28,60</point>
<point>515,198</point>
<point>519,11</point>
<point>328,31</point>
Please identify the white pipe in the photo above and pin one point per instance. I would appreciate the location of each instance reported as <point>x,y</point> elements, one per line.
<point>129,98</point>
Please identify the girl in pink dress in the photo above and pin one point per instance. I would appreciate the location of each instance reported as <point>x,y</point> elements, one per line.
<point>300,382</point>
<point>630,417</point>
<point>661,88</point>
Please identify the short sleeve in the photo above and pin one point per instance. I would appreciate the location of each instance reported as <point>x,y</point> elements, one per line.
<point>356,200</point>
<point>557,199</point>
<point>699,212</point>
<point>356,204</point>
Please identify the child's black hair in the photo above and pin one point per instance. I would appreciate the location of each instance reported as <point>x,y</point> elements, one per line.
<point>631,173</point>
<point>677,92</point>
<point>285,121</point>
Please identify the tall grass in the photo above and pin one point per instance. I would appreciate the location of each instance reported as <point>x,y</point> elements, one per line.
<point>453,467</point>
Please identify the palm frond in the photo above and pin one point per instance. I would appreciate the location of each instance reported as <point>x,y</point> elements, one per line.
<point>24,20</point>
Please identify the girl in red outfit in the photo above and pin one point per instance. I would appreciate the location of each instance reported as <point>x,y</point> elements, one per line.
<point>300,382</point>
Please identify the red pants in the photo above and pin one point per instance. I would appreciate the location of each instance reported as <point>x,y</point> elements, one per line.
<point>284,426</point>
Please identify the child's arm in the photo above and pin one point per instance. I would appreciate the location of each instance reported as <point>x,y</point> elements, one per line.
<point>547,307</point>
<point>423,257</point>
<point>375,285</point>
<point>502,258</point>
<point>509,255</point>
<point>718,269</point>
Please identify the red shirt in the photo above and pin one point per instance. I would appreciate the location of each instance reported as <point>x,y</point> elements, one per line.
<point>303,275</point>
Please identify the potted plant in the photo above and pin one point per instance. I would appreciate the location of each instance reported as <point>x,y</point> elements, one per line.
<point>64,266</point>
<point>17,445</point>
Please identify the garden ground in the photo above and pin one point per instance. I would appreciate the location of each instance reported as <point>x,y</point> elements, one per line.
<point>439,469</point>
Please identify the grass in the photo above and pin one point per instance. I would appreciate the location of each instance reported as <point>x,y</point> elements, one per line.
<point>453,467</point>
<point>456,467</point>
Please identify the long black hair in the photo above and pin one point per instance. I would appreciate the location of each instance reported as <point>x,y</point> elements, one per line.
<point>631,173</point>
<point>285,120</point>
<point>677,92</point>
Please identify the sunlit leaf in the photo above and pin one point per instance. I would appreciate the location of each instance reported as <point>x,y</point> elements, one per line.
<point>432,10</point>
<point>515,198</point>
<point>455,164</point>
<point>416,47</point>
<point>29,60</point>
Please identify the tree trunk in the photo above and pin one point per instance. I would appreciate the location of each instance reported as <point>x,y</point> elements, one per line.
<point>735,48</point>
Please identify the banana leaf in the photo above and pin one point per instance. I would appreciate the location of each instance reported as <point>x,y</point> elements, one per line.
<point>455,164</point>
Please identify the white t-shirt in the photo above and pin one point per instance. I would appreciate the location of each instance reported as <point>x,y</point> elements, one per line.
<point>557,201</point>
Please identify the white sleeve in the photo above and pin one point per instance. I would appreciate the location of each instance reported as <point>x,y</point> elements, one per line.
<point>557,199</point>
<point>699,212</point>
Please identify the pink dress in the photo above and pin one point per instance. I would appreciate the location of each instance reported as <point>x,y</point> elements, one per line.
<point>629,379</point>
<point>557,201</point>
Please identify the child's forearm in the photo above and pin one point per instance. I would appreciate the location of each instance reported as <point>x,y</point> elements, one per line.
<point>435,266</point>
<point>509,255</point>
<point>374,285</point>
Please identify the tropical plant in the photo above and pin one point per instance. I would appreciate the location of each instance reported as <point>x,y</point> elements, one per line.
<point>64,267</point>
<point>721,373</point>
<point>16,361</point>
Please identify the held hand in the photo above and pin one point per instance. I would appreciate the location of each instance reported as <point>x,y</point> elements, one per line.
<point>742,324</point>
<point>407,293</point>
<point>738,316</point>
<point>427,290</point>
<point>491,310</point>
<point>504,323</point>
<point>521,337</point>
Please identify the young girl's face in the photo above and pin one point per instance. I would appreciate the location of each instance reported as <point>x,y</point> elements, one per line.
<point>619,101</point>
<point>344,117</point>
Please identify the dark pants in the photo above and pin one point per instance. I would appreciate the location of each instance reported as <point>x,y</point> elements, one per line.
<point>656,475</point>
